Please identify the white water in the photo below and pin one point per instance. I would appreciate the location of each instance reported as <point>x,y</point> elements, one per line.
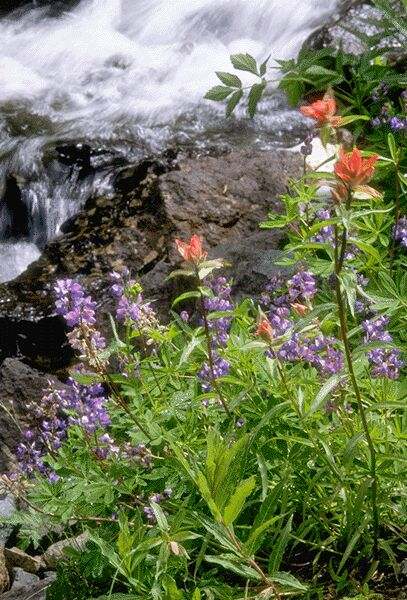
<point>127,76</point>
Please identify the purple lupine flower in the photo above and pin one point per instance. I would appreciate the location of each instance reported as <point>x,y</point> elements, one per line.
<point>86,405</point>
<point>279,321</point>
<point>72,303</point>
<point>219,302</point>
<point>302,287</point>
<point>400,231</point>
<point>221,368</point>
<point>385,362</point>
<point>375,330</point>
<point>397,123</point>
<point>131,307</point>
<point>78,311</point>
<point>325,234</point>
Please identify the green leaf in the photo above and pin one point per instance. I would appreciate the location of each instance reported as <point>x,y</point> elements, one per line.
<point>263,66</point>
<point>255,96</point>
<point>391,142</point>
<point>352,118</point>
<point>233,102</point>
<point>320,71</point>
<point>288,581</point>
<point>227,561</point>
<point>218,93</point>
<point>186,296</point>
<point>160,516</point>
<point>325,390</point>
<point>236,502</point>
<point>244,62</point>
<point>279,548</point>
<point>229,79</point>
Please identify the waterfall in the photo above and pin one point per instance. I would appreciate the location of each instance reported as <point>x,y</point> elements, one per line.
<point>110,80</point>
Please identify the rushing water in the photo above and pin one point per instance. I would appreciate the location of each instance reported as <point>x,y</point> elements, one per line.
<point>127,78</point>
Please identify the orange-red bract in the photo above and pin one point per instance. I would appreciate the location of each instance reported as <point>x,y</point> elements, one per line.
<point>191,251</point>
<point>265,330</point>
<point>323,111</point>
<point>353,169</point>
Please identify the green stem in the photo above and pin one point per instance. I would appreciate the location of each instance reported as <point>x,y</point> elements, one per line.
<point>362,412</point>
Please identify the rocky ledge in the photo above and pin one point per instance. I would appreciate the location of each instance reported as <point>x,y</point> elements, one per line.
<point>221,198</point>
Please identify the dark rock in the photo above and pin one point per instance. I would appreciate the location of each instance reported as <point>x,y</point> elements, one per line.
<point>19,386</point>
<point>8,6</point>
<point>224,199</point>
<point>14,213</point>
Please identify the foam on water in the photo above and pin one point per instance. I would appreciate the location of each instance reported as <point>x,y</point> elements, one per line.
<point>121,75</point>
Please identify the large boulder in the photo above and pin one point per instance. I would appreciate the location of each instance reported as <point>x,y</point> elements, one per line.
<point>222,198</point>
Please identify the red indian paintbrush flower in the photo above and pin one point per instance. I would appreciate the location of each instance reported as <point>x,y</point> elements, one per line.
<point>191,251</point>
<point>323,111</point>
<point>265,330</point>
<point>354,170</point>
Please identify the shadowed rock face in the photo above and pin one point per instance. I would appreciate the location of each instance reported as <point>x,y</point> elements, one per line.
<point>221,198</point>
<point>19,386</point>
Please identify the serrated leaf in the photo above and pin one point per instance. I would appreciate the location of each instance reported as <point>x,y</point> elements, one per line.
<point>233,102</point>
<point>218,93</point>
<point>236,502</point>
<point>255,96</point>
<point>244,62</point>
<point>229,79</point>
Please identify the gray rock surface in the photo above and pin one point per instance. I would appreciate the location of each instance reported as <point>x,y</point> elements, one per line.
<point>7,507</point>
<point>56,551</point>
<point>22,579</point>
<point>33,591</point>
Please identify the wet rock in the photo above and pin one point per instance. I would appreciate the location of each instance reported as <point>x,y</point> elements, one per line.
<point>223,198</point>
<point>19,386</point>
<point>21,579</point>
<point>56,552</point>
<point>16,558</point>
<point>358,26</point>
